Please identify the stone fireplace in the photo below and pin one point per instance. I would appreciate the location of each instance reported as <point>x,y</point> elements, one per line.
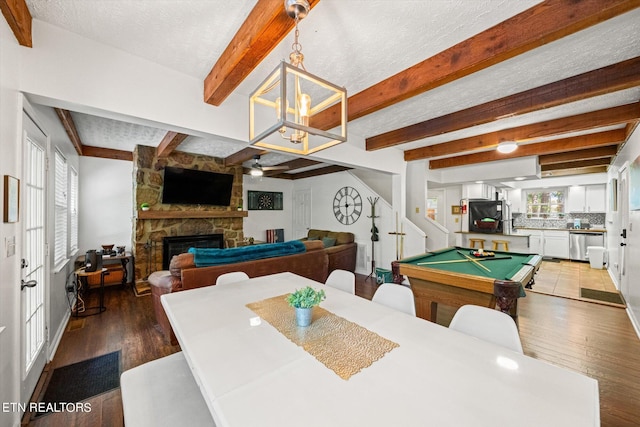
<point>176,245</point>
<point>173,220</point>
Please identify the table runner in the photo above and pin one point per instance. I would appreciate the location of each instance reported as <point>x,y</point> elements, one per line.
<point>342,346</point>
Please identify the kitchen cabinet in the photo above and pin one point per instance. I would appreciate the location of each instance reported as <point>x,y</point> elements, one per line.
<point>478,191</point>
<point>556,244</point>
<point>595,198</point>
<point>535,241</point>
<point>586,198</point>
<point>515,198</point>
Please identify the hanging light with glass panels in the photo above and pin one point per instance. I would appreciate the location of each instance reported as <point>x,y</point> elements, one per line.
<point>282,108</point>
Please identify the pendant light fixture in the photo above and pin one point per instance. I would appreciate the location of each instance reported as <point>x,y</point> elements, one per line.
<point>282,108</point>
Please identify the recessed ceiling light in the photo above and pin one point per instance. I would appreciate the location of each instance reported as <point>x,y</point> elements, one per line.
<point>519,178</point>
<point>507,147</point>
<point>479,182</point>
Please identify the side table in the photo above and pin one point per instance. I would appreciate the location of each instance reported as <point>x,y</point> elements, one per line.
<point>82,277</point>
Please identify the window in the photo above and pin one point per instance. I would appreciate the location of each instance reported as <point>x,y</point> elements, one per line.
<point>73,211</point>
<point>548,203</point>
<point>61,210</point>
<point>432,208</point>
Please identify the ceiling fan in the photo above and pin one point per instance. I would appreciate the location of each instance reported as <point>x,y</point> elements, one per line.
<point>258,170</point>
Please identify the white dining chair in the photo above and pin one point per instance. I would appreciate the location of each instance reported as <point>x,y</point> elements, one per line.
<point>234,276</point>
<point>343,280</point>
<point>488,325</point>
<point>399,297</point>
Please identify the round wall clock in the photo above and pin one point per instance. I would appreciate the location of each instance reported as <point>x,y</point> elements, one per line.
<point>347,205</point>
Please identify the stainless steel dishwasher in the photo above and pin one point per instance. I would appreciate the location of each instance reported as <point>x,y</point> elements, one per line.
<point>579,241</point>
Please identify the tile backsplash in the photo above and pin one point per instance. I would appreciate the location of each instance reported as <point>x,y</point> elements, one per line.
<point>521,220</point>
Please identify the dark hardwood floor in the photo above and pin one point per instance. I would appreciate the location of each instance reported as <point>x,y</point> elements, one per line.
<point>593,339</point>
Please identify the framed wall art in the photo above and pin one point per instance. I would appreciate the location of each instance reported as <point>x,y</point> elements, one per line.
<point>264,200</point>
<point>11,210</point>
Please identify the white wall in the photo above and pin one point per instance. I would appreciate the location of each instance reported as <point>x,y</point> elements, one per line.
<point>10,164</point>
<point>257,222</point>
<point>323,190</point>
<point>105,203</point>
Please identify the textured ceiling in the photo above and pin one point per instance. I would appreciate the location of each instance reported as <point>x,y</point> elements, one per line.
<point>354,43</point>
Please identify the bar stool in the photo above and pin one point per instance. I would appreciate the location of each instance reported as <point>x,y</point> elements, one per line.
<point>497,243</point>
<point>480,242</point>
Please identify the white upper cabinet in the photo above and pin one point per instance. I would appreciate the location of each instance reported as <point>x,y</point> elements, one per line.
<point>515,197</point>
<point>478,191</point>
<point>586,198</point>
<point>595,198</point>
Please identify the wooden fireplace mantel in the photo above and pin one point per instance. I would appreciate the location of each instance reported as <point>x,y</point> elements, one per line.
<point>152,214</point>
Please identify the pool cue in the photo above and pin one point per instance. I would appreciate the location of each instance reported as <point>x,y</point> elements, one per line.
<point>462,260</point>
<point>474,261</point>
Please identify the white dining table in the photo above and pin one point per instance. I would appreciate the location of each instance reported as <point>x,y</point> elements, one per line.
<point>252,375</point>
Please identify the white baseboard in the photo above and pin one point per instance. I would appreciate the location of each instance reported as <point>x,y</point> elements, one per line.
<point>53,345</point>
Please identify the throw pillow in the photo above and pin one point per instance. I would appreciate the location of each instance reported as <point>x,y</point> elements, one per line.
<point>328,242</point>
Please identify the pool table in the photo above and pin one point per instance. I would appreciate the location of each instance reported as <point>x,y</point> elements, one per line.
<point>447,276</point>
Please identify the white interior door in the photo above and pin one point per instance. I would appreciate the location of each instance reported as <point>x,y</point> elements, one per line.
<point>623,208</point>
<point>301,213</point>
<point>34,282</point>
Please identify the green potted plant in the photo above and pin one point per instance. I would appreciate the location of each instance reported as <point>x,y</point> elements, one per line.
<point>303,300</point>
<point>144,206</point>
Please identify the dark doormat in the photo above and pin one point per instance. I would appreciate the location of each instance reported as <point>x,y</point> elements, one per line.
<point>80,381</point>
<point>606,296</point>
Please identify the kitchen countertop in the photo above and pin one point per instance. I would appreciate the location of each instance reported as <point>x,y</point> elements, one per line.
<point>580,230</point>
<point>494,234</point>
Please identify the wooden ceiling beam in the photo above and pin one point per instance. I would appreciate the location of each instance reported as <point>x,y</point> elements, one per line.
<point>318,172</point>
<point>576,171</point>
<point>595,119</point>
<point>17,15</point>
<point>604,161</point>
<point>292,165</point>
<point>169,143</point>
<point>243,155</point>
<point>107,153</point>
<point>535,27</point>
<point>70,129</point>
<point>264,28</point>
<point>548,147</point>
<point>587,154</point>
<point>613,78</point>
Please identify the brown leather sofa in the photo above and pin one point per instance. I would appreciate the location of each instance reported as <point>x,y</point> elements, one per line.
<point>183,274</point>
<point>342,255</point>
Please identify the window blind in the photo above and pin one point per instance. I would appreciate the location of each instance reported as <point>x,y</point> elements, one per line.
<point>61,209</point>
<point>73,211</point>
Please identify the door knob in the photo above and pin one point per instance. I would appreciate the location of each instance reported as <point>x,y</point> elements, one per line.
<point>623,244</point>
<point>29,284</point>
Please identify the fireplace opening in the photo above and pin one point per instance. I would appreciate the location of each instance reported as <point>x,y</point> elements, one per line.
<point>180,244</point>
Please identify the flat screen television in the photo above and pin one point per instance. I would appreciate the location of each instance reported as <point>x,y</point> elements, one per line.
<point>195,187</point>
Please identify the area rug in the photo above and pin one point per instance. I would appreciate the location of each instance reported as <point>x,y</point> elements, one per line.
<point>604,296</point>
<point>141,288</point>
<point>80,381</point>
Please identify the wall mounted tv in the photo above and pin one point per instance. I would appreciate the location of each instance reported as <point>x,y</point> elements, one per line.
<point>195,187</point>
